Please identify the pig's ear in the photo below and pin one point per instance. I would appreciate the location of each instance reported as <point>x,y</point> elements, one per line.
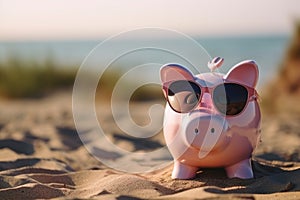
<point>171,72</point>
<point>245,72</point>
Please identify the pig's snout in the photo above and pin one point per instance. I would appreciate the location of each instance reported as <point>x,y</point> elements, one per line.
<point>205,131</point>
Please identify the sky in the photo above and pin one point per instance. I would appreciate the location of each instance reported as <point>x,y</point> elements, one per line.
<point>92,19</point>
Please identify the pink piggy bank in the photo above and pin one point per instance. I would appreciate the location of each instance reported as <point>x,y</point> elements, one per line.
<point>211,119</point>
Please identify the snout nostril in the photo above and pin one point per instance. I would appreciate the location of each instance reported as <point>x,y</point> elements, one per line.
<point>196,131</point>
<point>212,130</point>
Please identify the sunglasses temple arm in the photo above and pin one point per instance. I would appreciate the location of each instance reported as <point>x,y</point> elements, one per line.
<point>255,96</point>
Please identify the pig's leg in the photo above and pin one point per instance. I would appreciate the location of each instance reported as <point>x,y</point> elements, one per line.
<point>182,171</point>
<point>241,170</point>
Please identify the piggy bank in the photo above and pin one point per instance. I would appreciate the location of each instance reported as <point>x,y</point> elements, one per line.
<point>211,119</point>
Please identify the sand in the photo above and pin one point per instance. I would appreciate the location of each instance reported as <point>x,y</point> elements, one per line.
<point>41,157</point>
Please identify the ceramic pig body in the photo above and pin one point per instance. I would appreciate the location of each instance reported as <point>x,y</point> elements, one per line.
<point>204,137</point>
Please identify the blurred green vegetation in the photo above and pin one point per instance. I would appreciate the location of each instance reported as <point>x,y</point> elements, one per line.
<point>21,78</point>
<point>109,79</point>
<point>29,79</point>
<point>149,92</point>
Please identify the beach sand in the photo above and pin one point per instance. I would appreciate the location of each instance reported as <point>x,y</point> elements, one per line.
<point>41,157</point>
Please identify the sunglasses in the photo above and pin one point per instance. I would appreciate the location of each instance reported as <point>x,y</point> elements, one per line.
<point>229,99</point>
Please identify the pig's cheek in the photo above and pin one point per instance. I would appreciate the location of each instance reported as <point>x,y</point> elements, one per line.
<point>249,118</point>
<point>170,131</point>
<point>172,123</point>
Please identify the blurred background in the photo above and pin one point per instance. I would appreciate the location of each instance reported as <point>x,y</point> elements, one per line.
<point>43,43</point>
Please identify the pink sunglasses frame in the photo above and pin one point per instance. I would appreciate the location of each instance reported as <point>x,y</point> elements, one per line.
<point>252,94</point>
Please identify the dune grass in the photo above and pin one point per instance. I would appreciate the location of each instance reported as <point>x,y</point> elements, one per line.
<point>109,79</point>
<point>283,93</point>
<point>21,78</point>
<point>29,79</point>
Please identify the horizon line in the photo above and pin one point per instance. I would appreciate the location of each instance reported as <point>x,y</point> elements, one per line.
<point>194,36</point>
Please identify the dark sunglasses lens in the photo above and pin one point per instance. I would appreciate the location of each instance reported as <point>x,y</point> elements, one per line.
<point>230,98</point>
<point>183,95</point>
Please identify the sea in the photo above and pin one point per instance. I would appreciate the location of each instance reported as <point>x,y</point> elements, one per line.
<point>267,51</point>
